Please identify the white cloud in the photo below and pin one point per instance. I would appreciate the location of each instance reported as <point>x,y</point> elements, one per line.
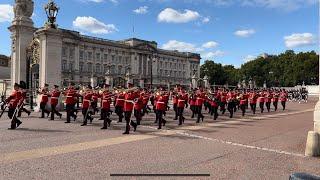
<point>141,10</point>
<point>210,55</point>
<point>210,44</point>
<point>296,40</point>
<point>249,58</point>
<point>170,15</point>
<point>114,1</point>
<point>180,46</point>
<point>205,20</point>
<point>245,32</point>
<point>100,1</point>
<point>6,13</point>
<point>92,25</point>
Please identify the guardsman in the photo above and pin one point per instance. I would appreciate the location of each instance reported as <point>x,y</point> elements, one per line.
<point>13,103</point>
<point>214,103</point>
<point>86,103</point>
<point>283,98</point>
<point>223,101</point>
<point>128,108</point>
<point>261,101</point>
<point>138,106</point>
<point>55,94</point>
<point>145,101</point>
<point>161,106</point>
<point>175,103</point>
<point>199,103</point>
<point>71,96</point>
<point>44,100</point>
<point>243,103</point>
<point>253,101</point>
<point>94,102</point>
<point>24,96</point>
<point>180,108</point>
<point>230,103</point>
<point>119,105</point>
<point>275,99</point>
<point>268,98</point>
<point>192,102</point>
<point>105,107</point>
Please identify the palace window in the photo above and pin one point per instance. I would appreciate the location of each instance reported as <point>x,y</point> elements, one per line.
<point>98,68</point>
<point>120,60</point>
<point>89,56</point>
<point>97,56</point>
<point>112,59</point>
<point>89,67</point>
<point>105,57</point>
<point>71,66</point>
<point>113,68</point>
<point>81,67</point>
<point>81,55</point>
<point>71,53</point>
<point>64,65</point>
<point>105,68</point>
<point>64,52</point>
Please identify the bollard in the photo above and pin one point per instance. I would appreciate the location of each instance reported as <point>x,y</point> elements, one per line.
<point>313,144</point>
<point>303,176</point>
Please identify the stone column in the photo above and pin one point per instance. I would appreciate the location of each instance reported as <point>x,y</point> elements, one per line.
<point>21,36</point>
<point>313,138</point>
<point>206,82</point>
<point>141,82</point>
<point>194,81</point>
<point>93,81</point>
<point>50,56</point>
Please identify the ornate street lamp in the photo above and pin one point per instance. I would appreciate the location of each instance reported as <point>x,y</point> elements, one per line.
<point>52,11</point>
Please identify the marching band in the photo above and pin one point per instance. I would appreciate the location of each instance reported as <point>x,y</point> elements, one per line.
<point>136,101</point>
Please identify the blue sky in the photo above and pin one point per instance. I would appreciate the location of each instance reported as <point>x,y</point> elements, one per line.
<point>227,31</point>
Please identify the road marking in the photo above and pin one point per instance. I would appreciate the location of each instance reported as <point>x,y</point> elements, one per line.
<point>51,151</point>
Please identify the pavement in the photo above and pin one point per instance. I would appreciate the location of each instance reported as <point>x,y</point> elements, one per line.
<point>262,146</point>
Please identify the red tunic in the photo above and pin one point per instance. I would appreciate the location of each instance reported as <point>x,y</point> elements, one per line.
<point>120,100</point>
<point>44,96</point>
<point>55,97</point>
<point>128,102</point>
<point>14,99</point>
<point>86,100</point>
<point>71,96</point>
<point>161,104</point>
<point>106,100</point>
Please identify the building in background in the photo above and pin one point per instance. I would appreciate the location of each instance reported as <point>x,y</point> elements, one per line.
<point>4,67</point>
<point>59,56</point>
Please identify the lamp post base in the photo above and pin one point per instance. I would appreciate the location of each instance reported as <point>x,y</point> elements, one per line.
<point>313,144</point>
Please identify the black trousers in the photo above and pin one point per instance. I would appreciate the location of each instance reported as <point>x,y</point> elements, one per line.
<point>253,108</point>
<point>43,109</point>
<point>268,104</point>
<point>230,108</point>
<point>275,105</point>
<point>86,115</point>
<point>94,105</point>
<point>119,112</point>
<point>243,109</point>
<point>105,116</point>
<point>138,115</point>
<point>127,117</point>
<point>223,107</point>
<point>54,111</point>
<point>214,112</point>
<point>199,112</point>
<point>159,117</point>
<point>175,111</point>
<point>193,110</point>
<point>70,111</point>
<point>22,109</point>
<point>180,115</point>
<point>261,104</point>
<point>13,116</point>
<point>283,103</point>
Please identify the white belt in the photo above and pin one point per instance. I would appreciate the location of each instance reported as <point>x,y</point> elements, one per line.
<point>54,97</point>
<point>105,100</point>
<point>120,99</point>
<point>129,101</point>
<point>181,100</point>
<point>69,96</point>
<point>161,102</point>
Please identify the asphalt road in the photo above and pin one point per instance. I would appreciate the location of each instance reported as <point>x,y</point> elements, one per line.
<point>262,146</point>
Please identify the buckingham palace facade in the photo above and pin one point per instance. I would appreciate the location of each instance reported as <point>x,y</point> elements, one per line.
<point>84,58</point>
<point>59,56</point>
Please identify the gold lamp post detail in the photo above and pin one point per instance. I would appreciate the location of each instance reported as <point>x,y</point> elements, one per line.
<point>52,11</point>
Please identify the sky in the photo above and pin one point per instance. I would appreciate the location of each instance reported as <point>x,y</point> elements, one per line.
<point>226,31</point>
